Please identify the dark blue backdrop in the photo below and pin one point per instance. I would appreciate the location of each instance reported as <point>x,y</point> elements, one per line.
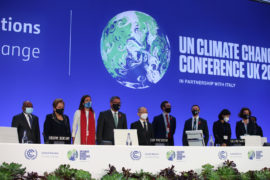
<point>43,79</point>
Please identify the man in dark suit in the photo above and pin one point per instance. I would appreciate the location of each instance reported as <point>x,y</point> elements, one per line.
<point>28,123</point>
<point>110,120</point>
<point>164,125</point>
<point>144,128</point>
<point>195,123</point>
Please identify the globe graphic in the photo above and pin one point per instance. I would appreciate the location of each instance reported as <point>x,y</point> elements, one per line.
<point>134,49</point>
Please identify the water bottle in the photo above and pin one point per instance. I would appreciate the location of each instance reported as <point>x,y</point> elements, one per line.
<point>24,138</point>
<point>128,141</point>
<point>211,142</point>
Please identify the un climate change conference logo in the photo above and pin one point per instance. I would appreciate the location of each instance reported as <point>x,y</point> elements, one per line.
<point>170,155</point>
<point>251,155</point>
<point>134,49</point>
<point>72,154</point>
<point>255,155</point>
<point>30,154</point>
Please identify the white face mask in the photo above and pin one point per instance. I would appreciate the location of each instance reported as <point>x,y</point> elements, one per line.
<point>226,119</point>
<point>144,116</point>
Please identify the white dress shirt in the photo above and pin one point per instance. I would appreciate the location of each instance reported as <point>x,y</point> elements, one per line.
<point>115,112</point>
<point>142,122</point>
<point>245,125</point>
<point>27,119</point>
<point>165,121</point>
<point>197,122</point>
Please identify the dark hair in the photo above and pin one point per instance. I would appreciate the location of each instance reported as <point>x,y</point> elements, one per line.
<point>114,97</point>
<point>57,101</point>
<point>242,111</point>
<point>223,113</point>
<point>25,103</point>
<point>163,104</point>
<point>81,106</point>
<point>195,105</point>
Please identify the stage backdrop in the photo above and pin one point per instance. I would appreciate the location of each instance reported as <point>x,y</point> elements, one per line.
<point>212,53</point>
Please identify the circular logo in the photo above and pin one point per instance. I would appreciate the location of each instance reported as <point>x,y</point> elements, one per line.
<point>222,155</point>
<point>135,155</point>
<point>134,49</point>
<point>251,155</point>
<point>170,155</point>
<point>72,154</point>
<point>30,154</point>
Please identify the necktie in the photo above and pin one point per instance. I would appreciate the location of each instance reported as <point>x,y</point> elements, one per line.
<point>168,126</point>
<point>194,124</point>
<point>115,119</point>
<point>144,126</point>
<point>30,120</point>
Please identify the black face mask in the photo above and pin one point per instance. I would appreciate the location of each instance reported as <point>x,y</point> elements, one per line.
<point>245,116</point>
<point>116,107</point>
<point>60,111</point>
<point>168,110</point>
<point>195,112</point>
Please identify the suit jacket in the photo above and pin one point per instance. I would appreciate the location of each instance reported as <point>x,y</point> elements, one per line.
<point>220,130</point>
<point>160,129</point>
<point>240,129</point>
<point>106,125</point>
<point>258,130</point>
<point>202,125</point>
<point>53,127</point>
<point>143,135</point>
<point>20,122</point>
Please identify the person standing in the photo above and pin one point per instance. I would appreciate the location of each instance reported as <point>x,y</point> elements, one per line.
<point>244,126</point>
<point>257,129</point>
<point>110,120</point>
<point>83,129</point>
<point>56,126</point>
<point>164,125</point>
<point>222,129</point>
<point>144,128</point>
<point>195,123</point>
<point>27,124</point>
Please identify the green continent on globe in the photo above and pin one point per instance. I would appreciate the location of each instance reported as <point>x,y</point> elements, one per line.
<point>134,50</point>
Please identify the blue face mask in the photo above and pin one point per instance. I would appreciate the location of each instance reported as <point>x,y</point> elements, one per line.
<point>88,104</point>
<point>28,110</point>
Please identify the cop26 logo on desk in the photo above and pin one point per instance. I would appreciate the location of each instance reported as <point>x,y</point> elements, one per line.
<point>30,154</point>
<point>72,155</point>
<point>222,155</point>
<point>135,155</point>
<point>134,50</point>
<point>170,155</point>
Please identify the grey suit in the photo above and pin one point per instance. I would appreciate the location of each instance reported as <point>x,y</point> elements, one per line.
<point>106,125</point>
